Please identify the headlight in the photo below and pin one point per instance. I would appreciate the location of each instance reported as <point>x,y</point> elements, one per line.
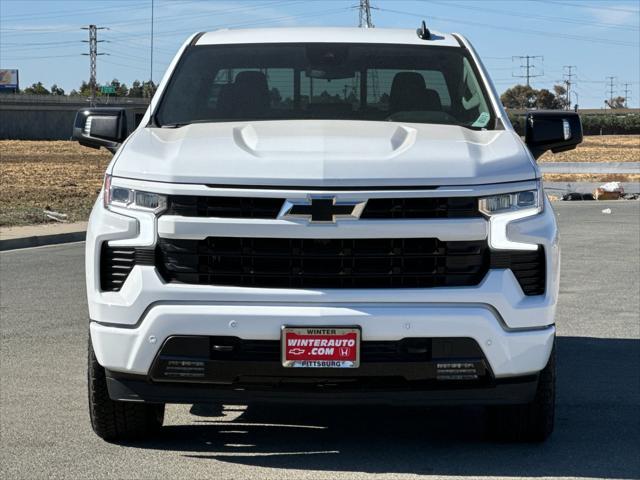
<point>529,200</point>
<point>508,207</point>
<point>122,197</point>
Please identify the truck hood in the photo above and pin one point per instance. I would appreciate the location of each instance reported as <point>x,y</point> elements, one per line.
<point>324,153</point>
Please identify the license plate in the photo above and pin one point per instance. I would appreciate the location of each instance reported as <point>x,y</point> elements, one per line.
<point>320,347</point>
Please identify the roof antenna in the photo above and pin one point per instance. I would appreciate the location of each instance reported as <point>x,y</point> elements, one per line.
<point>423,32</point>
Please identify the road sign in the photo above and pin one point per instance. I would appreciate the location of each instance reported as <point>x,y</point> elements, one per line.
<point>108,89</point>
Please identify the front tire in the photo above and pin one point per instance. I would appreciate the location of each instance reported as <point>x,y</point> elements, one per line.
<point>531,422</point>
<point>113,420</point>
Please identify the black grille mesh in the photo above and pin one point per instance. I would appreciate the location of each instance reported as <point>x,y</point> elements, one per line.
<point>320,263</point>
<point>268,208</point>
<point>368,263</point>
<point>225,207</point>
<point>117,262</point>
<point>527,266</point>
<point>390,208</point>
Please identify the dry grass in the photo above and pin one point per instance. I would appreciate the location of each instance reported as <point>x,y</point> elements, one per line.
<point>66,177</point>
<point>60,175</point>
<point>600,148</point>
<point>590,177</point>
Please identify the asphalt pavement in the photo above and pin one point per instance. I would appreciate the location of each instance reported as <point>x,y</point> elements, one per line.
<point>45,431</point>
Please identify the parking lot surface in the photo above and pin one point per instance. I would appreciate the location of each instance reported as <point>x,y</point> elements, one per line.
<point>45,431</point>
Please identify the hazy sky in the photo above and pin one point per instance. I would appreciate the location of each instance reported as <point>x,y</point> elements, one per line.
<point>43,38</point>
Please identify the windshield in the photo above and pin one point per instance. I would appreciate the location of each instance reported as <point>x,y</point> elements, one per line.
<point>404,83</point>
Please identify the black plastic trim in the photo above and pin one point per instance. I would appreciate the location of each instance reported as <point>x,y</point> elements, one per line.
<point>517,390</point>
<point>195,39</point>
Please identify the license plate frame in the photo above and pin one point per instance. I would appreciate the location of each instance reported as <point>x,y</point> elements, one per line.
<point>312,333</point>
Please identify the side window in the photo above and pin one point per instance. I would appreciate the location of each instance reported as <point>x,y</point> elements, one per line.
<point>474,105</point>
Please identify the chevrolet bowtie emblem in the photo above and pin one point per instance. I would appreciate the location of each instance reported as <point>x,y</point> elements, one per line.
<point>322,209</point>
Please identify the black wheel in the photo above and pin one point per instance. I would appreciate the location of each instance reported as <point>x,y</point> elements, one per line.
<point>113,420</point>
<point>532,422</point>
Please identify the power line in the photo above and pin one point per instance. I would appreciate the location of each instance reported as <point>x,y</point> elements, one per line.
<point>93,55</point>
<point>611,90</point>
<point>151,61</point>
<point>596,7</point>
<point>627,97</point>
<point>530,15</point>
<point>526,31</point>
<point>568,81</point>
<point>529,67</point>
<point>365,20</point>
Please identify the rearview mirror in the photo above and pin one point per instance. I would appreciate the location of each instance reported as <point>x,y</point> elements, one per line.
<point>557,131</point>
<point>101,127</point>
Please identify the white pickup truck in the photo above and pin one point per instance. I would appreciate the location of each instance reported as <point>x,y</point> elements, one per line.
<point>331,215</point>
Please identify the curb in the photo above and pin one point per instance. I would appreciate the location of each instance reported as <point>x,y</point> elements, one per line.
<point>41,240</point>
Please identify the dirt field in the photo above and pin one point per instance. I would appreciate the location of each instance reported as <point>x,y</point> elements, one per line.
<point>60,175</point>
<point>66,177</point>
<point>600,148</point>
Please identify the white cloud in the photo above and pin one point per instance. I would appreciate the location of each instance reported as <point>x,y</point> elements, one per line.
<point>621,14</point>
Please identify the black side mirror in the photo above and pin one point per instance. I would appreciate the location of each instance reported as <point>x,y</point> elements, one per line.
<point>101,127</point>
<point>557,131</point>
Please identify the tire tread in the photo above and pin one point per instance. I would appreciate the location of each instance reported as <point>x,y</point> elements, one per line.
<point>114,420</point>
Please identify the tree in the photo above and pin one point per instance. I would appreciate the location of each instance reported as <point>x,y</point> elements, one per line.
<point>545,100</point>
<point>562,100</point>
<point>524,96</point>
<point>85,89</point>
<point>56,90</point>
<point>36,89</point>
<point>136,89</point>
<point>121,89</point>
<point>616,102</point>
<point>519,96</point>
<point>148,89</point>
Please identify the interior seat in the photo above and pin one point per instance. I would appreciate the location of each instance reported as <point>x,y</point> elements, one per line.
<point>250,94</point>
<point>409,93</point>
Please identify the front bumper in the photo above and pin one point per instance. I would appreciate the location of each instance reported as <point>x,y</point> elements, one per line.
<point>128,327</point>
<point>508,352</point>
<point>513,391</point>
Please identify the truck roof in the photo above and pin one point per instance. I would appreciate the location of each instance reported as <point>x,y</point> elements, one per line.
<point>325,35</point>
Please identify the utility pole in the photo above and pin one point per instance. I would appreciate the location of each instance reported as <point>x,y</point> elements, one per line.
<point>528,66</point>
<point>568,81</point>
<point>611,90</point>
<point>365,21</point>
<point>151,75</point>
<point>365,15</point>
<point>93,55</point>
<point>627,97</point>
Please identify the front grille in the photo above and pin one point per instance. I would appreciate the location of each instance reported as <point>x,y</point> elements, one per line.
<point>410,349</point>
<point>401,364</point>
<point>224,207</point>
<point>390,208</point>
<point>527,266</point>
<point>322,263</point>
<point>406,350</point>
<point>376,208</point>
<point>117,262</point>
<point>317,263</point>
